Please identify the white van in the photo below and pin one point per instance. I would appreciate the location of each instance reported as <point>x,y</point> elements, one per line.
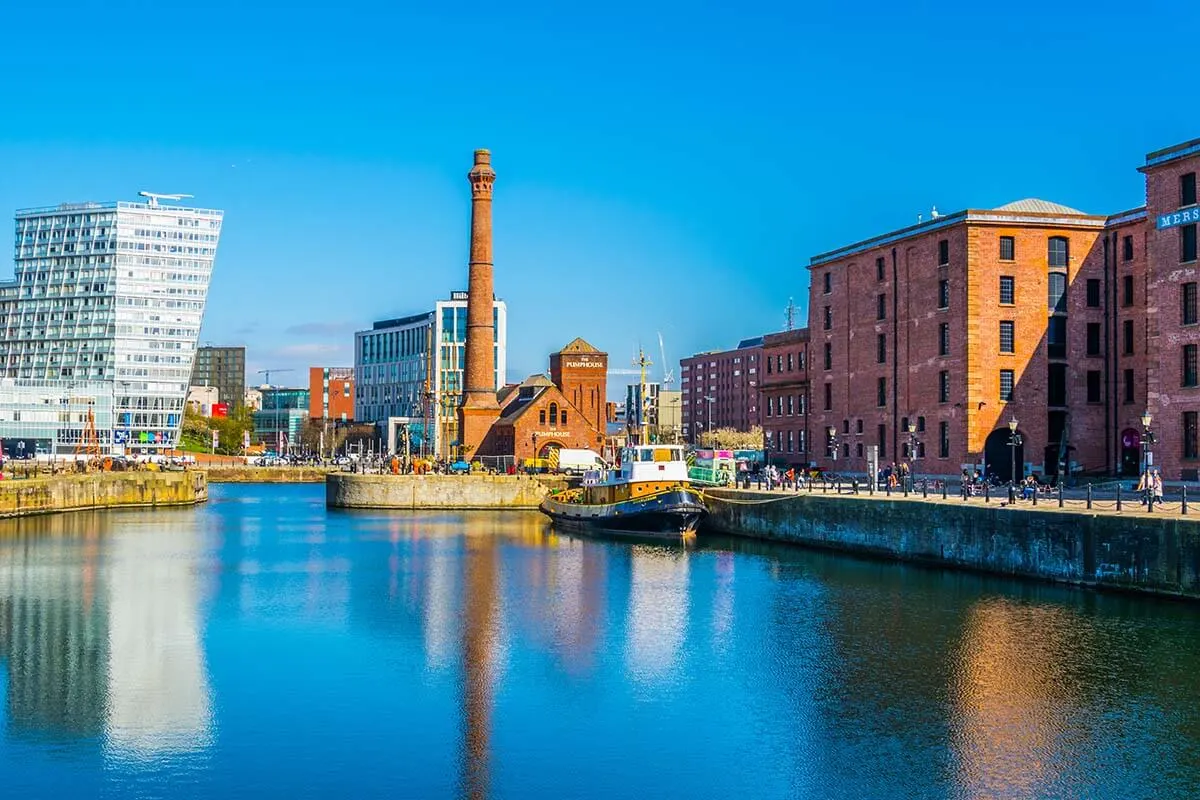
<point>577,462</point>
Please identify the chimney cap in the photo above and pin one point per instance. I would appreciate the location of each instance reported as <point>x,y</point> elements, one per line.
<point>483,156</point>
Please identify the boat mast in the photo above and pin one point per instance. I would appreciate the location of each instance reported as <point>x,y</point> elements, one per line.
<point>642,362</point>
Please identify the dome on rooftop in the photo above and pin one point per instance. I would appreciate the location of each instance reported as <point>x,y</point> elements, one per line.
<point>1033,205</point>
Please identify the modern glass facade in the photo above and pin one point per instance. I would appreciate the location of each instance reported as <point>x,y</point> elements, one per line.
<point>111,293</point>
<point>392,364</point>
<point>283,411</point>
<point>44,417</point>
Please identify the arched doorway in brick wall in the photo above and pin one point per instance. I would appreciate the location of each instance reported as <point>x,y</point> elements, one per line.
<point>546,449</point>
<point>999,456</point>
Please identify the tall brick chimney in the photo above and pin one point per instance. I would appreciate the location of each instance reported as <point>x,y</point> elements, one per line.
<point>479,409</point>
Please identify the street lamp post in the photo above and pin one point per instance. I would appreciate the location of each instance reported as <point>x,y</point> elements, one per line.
<point>833,442</point>
<point>710,399</point>
<point>1014,441</point>
<point>1147,458</point>
<point>913,446</point>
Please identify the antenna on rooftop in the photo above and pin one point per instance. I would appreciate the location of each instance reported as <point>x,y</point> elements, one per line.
<point>790,316</point>
<point>154,197</point>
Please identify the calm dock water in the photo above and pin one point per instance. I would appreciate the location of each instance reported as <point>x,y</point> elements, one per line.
<point>260,646</point>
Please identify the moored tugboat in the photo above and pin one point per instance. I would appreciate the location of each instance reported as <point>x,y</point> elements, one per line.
<point>647,495</point>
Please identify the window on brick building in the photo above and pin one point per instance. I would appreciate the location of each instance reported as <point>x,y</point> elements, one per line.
<point>881,435</point>
<point>1008,248</point>
<point>790,362</point>
<point>828,278</point>
<point>828,355</point>
<point>920,424</point>
<point>1007,335</point>
<point>846,426</point>
<point>858,427</point>
<point>943,293</point>
<point>943,252</point>
<point>880,270</point>
<point>1057,291</point>
<point>541,416</point>
<point>829,397</point>
<point>1056,385</point>
<point>881,307</point>
<point>1056,336</point>
<point>881,392</point>
<point>828,323</point>
<point>1187,304</point>
<point>1127,290</point>
<point>803,444</point>
<point>845,449</point>
<point>944,439</point>
<point>1007,290</point>
<point>770,410</point>
<point>944,386</point>
<point>1058,252</point>
<point>1189,366</point>
<point>1187,189</point>
<point>1127,248</point>
<point>1093,292</point>
<point>944,339</point>
<point>768,365</point>
<point>1191,434</point>
<point>1006,385</point>
<point>1093,386</point>
<point>881,348</point>
<point>1128,378</point>
<point>779,363</point>
<point>791,405</point>
<point>802,403</point>
<point>554,413</point>
<point>1127,337</point>
<point>858,450</point>
<point>789,441</point>
<point>1093,338</point>
<point>1187,243</point>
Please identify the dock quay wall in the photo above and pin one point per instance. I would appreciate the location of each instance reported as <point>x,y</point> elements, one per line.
<point>47,495</point>
<point>420,492</point>
<point>1144,553</point>
<point>266,474</point>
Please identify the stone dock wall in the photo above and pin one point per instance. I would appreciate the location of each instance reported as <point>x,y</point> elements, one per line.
<point>422,492</point>
<point>1143,553</point>
<point>101,490</point>
<point>266,474</point>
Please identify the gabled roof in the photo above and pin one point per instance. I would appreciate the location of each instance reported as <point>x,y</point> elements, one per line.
<point>1032,205</point>
<point>578,345</point>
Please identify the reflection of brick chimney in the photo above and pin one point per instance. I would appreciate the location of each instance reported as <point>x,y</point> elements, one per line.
<point>479,408</point>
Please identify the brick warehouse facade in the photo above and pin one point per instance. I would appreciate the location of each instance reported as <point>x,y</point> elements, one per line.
<point>784,397</point>
<point>730,378</point>
<point>1073,324</point>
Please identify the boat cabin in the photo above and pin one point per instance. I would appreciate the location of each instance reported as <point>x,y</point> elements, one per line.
<point>662,462</point>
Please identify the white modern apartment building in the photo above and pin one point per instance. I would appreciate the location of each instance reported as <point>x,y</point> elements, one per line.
<point>394,384</point>
<point>106,299</point>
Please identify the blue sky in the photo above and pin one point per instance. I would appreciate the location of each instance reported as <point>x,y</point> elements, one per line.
<point>663,167</point>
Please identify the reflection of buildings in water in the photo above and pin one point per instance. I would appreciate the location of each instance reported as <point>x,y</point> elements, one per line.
<point>480,640</point>
<point>53,637</point>
<point>722,604</point>
<point>159,696</point>
<point>658,611</point>
<point>1007,715</point>
<point>440,561</point>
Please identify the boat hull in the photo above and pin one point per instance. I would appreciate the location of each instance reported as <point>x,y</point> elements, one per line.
<point>671,514</point>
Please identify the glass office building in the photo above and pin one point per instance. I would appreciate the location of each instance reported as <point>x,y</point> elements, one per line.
<point>109,294</point>
<point>279,422</point>
<point>412,367</point>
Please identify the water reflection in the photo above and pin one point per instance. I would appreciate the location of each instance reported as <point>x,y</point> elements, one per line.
<point>265,647</point>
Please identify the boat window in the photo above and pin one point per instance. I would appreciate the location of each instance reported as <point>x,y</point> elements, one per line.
<point>663,454</point>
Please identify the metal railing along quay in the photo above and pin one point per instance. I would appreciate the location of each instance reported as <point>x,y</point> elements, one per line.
<point>1109,496</point>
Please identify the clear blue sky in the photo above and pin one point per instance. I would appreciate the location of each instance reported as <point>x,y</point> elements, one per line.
<point>662,166</point>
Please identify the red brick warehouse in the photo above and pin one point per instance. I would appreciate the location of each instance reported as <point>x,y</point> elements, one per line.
<point>1072,324</point>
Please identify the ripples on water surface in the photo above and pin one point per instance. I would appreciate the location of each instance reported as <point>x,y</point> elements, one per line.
<point>258,647</point>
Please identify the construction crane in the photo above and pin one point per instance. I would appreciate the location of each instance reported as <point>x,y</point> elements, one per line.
<point>668,375</point>
<point>154,197</point>
<point>268,372</point>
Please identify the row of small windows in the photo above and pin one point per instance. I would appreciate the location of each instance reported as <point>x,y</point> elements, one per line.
<point>793,361</point>
<point>795,404</point>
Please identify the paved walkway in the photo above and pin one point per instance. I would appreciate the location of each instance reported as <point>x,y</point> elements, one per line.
<point>1074,500</point>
